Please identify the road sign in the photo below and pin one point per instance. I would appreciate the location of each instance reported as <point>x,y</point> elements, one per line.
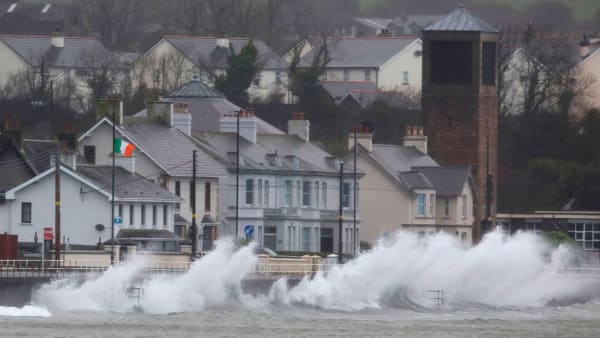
<point>118,220</point>
<point>48,234</point>
<point>249,229</point>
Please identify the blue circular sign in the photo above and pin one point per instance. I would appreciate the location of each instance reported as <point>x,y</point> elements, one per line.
<point>249,229</point>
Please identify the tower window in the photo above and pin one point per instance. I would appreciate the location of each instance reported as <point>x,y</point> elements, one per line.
<point>488,63</point>
<point>451,62</point>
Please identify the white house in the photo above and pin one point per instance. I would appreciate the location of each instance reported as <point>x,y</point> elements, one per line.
<point>408,190</point>
<point>86,204</point>
<point>288,190</point>
<point>164,152</point>
<point>174,60</point>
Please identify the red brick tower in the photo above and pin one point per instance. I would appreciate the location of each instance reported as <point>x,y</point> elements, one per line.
<point>460,103</point>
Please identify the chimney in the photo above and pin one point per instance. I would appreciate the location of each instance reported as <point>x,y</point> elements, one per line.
<point>68,145</point>
<point>584,47</point>
<point>106,107</point>
<point>181,118</point>
<point>228,124</point>
<point>223,43</point>
<point>57,39</point>
<point>415,137</point>
<point>364,137</point>
<point>13,131</point>
<point>299,126</point>
<point>127,163</point>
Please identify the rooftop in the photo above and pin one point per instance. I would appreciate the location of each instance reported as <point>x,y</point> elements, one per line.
<point>461,19</point>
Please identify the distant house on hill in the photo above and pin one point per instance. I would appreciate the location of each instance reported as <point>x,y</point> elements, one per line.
<point>389,63</point>
<point>174,60</point>
<point>401,25</point>
<point>361,94</point>
<point>58,66</point>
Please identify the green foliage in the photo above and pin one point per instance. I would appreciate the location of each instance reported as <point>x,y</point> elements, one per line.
<point>305,78</point>
<point>241,70</point>
<point>557,238</point>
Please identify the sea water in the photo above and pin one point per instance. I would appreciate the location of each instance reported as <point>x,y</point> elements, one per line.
<point>505,286</point>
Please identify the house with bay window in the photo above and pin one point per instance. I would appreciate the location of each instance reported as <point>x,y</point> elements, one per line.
<point>408,190</point>
<point>288,188</point>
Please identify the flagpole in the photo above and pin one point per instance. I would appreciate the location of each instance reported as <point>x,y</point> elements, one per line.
<point>112,199</point>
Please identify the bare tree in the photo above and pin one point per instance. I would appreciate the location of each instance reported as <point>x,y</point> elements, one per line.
<point>115,21</point>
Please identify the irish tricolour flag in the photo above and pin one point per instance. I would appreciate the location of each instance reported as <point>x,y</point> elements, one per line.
<point>123,147</point>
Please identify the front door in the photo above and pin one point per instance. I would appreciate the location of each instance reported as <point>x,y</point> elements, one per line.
<point>326,240</point>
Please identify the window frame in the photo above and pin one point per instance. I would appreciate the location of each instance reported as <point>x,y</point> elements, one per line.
<point>26,213</point>
<point>249,190</point>
<point>421,204</point>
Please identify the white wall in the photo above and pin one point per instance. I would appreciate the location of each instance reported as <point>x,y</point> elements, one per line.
<point>355,74</point>
<point>390,74</point>
<point>11,64</point>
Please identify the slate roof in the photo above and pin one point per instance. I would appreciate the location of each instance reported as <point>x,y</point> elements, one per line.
<point>373,23</point>
<point>204,50</point>
<point>415,180</point>
<point>461,20</point>
<point>446,180</point>
<point>128,186</point>
<point>36,18</point>
<point>396,159</point>
<point>272,152</point>
<point>362,52</point>
<point>78,52</point>
<point>195,89</point>
<point>171,148</point>
<point>39,152</point>
<point>339,89</point>
<point>14,166</point>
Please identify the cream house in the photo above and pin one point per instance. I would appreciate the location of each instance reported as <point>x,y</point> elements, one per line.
<point>174,60</point>
<point>60,67</point>
<point>405,189</point>
<point>589,70</point>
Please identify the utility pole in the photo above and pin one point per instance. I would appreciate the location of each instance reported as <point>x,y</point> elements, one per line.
<point>193,202</point>
<point>112,194</point>
<point>355,194</point>
<point>341,217</point>
<point>237,175</point>
<point>57,202</point>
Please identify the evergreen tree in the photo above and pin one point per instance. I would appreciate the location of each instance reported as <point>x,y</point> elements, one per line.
<point>241,70</point>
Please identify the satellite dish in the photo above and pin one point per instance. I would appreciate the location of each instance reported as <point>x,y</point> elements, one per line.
<point>99,227</point>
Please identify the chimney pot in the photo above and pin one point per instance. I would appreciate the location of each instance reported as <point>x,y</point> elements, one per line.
<point>57,39</point>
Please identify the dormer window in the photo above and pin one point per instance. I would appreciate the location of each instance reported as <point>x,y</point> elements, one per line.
<point>46,8</point>
<point>11,8</point>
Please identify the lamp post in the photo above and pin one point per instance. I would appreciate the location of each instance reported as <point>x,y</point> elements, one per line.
<point>341,215</point>
<point>237,174</point>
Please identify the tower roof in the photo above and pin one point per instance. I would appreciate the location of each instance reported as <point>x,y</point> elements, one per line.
<point>195,89</point>
<point>461,20</point>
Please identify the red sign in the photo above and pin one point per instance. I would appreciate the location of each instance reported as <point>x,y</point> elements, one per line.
<point>48,234</point>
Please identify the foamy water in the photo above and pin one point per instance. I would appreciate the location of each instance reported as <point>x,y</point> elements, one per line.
<point>25,311</point>
<point>518,271</point>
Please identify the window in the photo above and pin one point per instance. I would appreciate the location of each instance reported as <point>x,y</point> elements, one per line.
<point>278,77</point>
<point>270,239</point>
<point>405,77</point>
<point>317,202</point>
<point>89,154</point>
<point>11,8</point>
<point>368,75</point>
<point>143,219</point>
<point>46,8</point>
<point>356,194</point>
<point>446,206</point>
<point>488,63</point>
<point>324,192</point>
<point>534,226</point>
<point>249,192</point>
<point>207,196</point>
<point>288,193</point>
<point>178,188</point>
<point>323,76</point>
<point>306,193</point>
<point>165,215</point>
<point>306,239</point>
<point>345,195</point>
<point>156,76</point>
<point>26,212</point>
<point>266,199</point>
<point>121,211</point>
<point>450,62</point>
<point>421,205</point>
<point>256,80</point>
<point>346,75</point>
<point>131,210</point>
<point>154,215</point>
<point>260,192</point>
<point>431,204</point>
<point>464,206</point>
